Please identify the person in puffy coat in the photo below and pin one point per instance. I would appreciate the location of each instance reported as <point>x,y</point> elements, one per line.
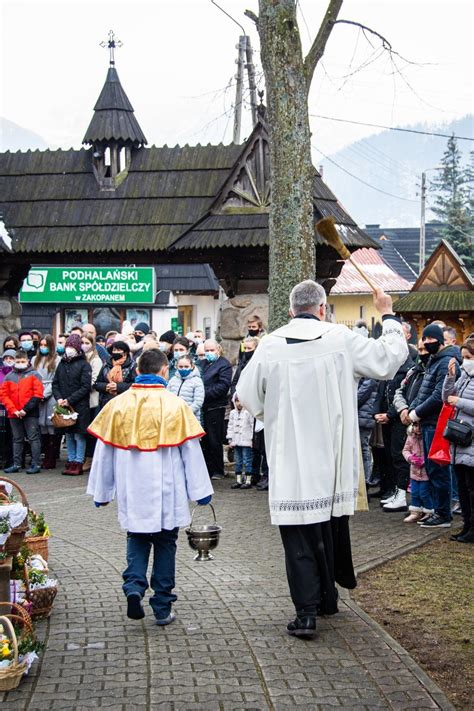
<point>240,436</point>
<point>45,363</point>
<point>460,393</point>
<point>425,409</point>
<point>21,392</point>
<point>187,384</point>
<point>72,387</point>
<point>366,397</point>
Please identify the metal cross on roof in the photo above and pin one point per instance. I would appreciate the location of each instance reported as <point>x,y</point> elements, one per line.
<point>111,45</point>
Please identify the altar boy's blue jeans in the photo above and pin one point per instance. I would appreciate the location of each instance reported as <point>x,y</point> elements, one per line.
<point>163,570</point>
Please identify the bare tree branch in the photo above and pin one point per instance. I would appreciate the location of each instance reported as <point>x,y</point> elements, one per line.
<point>252,16</point>
<point>319,45</point>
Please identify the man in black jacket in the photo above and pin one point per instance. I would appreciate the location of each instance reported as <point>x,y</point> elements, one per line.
<point>216,376</point>
<point>425,409</point>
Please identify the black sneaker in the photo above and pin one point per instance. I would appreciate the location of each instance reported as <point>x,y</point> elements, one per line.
<point>135,609</point>
<point>304,627</point>
<point>435,521</point>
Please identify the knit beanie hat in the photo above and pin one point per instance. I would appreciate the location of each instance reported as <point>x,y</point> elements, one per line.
<point>143,327</point>
<point>168,336</point>
<point>433,331</point>
<point>9,353</point>
<point>74,341</point>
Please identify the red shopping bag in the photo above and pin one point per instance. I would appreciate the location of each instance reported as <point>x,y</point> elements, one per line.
<point>440,448</point>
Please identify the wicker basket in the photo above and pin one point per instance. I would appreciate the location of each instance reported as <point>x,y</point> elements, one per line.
<point>60,421</point>
<point>42,601</point>
<point>10,676</point>
<point>17,535</point>
<point>38,545</point>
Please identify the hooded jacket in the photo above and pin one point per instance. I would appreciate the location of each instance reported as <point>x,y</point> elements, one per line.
<point>22,390</point>
<point>73,382</point>
<point>429,401</point>
<point>190,389</point>
<point>408,390</point>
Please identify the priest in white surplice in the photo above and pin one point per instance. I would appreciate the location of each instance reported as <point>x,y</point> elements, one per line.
<point>148,454</point>
<point>302,382</point>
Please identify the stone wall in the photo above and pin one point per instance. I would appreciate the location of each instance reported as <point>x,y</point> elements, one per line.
<point>10,312</point>
<point>234,316</point>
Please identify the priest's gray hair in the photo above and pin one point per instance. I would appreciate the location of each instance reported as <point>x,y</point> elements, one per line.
<point>306,295</point>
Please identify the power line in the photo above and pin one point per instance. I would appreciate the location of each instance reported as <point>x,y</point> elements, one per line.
<point>356,177</point>
<point>392,128</point>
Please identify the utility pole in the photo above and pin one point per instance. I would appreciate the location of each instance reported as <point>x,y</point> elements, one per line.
<point>239,89</point>
<point>251,76</point>
<point>422,222</point>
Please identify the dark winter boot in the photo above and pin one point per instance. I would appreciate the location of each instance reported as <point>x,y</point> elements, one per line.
<point>238,482</point>
<point>304,627</point>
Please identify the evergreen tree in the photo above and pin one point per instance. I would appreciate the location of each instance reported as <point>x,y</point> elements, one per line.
<point>453,189</point>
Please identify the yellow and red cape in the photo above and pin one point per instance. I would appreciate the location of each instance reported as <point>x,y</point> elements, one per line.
<point>146,417</point>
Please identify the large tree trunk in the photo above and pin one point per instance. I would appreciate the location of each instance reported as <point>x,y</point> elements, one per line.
<point>288,78</point>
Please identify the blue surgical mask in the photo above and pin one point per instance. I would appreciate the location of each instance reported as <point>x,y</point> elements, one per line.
<point>184,371</point>
<point>211,357</point>
<point>26,345</point>
<point>44,350</point>
<point>60,350</point>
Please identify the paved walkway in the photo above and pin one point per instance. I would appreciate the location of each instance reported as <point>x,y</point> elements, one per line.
<point>228,649</point>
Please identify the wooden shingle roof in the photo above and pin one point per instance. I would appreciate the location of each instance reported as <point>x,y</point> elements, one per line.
<point>181,198</point>
<point>114,119</point>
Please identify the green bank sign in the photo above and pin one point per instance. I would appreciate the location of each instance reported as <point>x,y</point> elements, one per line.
<point>89,285</point>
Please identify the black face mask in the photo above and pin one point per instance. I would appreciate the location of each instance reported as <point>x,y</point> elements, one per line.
<point>423,358</point>
<point>253,332</point>
<point>433,347</point>
<point>247,355</point>
<point>138,338</point>
<point>117,356</point>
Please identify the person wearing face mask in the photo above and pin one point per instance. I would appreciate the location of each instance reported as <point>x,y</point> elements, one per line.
<point>187,384</point>
<point>6,445</point>
<point>250,344</point>
<point>255,329</point>
<point>95,361</point>
<point>27,344</point>
<point>166,341</point>
<point>181,347</point>
<point>117,375</point>
<point>11,343</point>
<point>21,392</point>
<point>71,387</point>
<point>61,344</point>
<point>45,362</point>
<point>217,377</point>
<point>425,409</point>
<point>460,394</point>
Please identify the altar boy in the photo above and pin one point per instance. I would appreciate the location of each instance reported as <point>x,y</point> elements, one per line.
<point>148,453</point>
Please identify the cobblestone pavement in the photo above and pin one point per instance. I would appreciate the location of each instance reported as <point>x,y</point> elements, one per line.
<point>228,649</point>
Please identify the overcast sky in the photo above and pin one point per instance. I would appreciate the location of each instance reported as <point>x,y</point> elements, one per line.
<point>178,57</point>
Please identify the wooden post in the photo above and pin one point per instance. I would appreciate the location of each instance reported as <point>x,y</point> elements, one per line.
<point>251,76</point>
<point>239,89</point>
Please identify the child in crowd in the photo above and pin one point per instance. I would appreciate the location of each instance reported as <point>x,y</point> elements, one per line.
<point>21,392</point>
<point>240,436</point>
<point>148,454</point>
<point>421,499</point>
<point>187,384</point>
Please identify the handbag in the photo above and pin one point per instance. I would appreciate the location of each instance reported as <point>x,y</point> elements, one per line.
<point>440,450</point>
<point>61,420</point>
<point>458,432</point>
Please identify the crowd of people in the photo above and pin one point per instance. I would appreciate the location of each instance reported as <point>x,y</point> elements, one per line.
<point>397,418</point>
<point>84,371</point>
